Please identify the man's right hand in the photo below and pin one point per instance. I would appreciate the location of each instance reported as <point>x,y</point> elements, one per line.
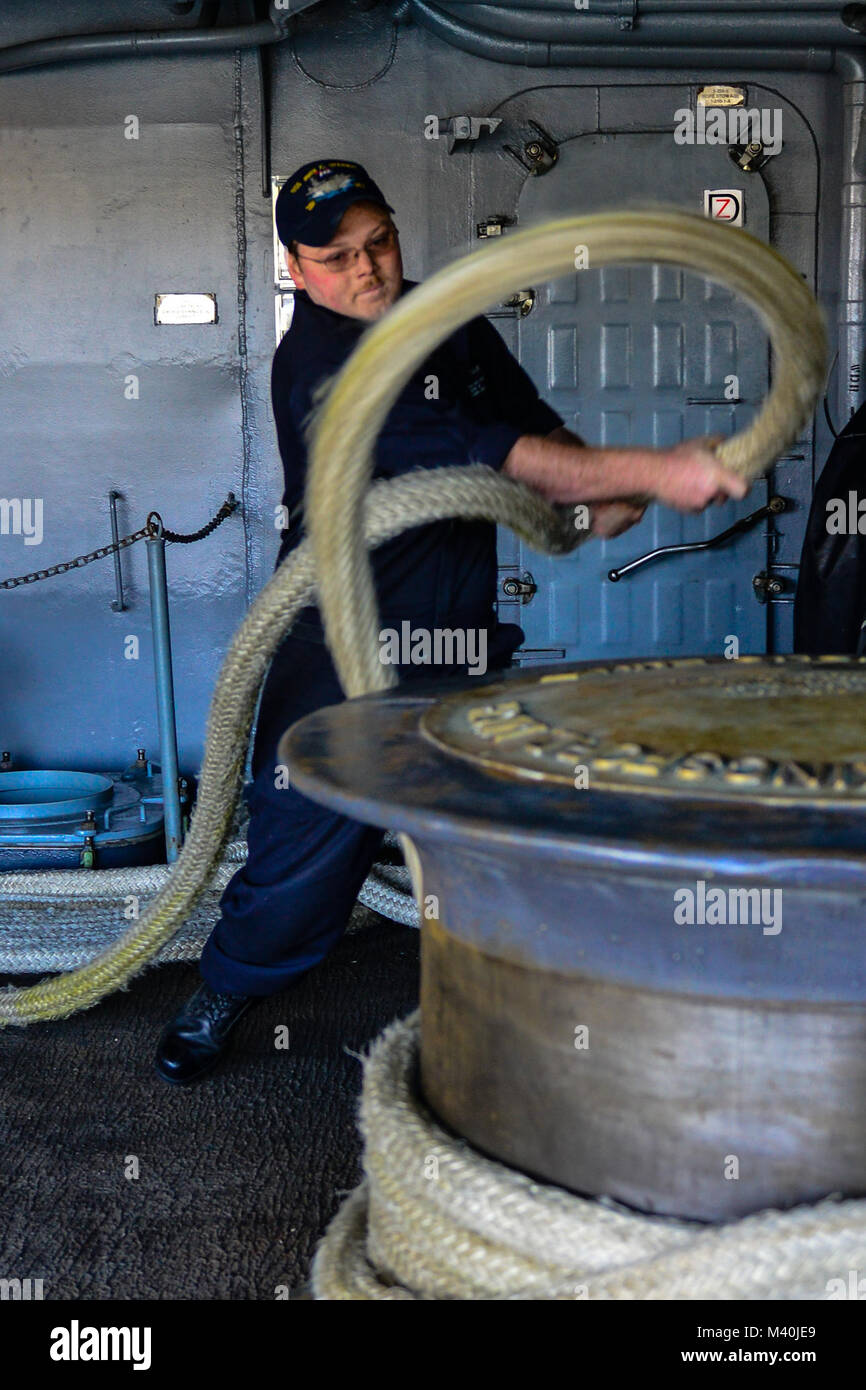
<point>690,477</point>
<point>562,468</point>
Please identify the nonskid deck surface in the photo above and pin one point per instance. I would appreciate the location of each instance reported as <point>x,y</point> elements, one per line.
<point>238,1175</point>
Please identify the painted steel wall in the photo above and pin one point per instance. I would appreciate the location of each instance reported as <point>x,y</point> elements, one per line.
<point>93,396</point>
<point>93,225</point>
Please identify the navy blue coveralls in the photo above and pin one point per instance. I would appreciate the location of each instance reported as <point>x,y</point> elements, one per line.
<point>288,906</point>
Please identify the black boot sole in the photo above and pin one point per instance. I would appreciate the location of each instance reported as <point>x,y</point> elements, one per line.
<point>203,1071</point>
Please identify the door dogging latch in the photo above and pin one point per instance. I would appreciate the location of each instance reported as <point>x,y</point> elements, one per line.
<point>767,586</point>
<point>750,158</point>
<point>523,588</point>
<point>516,307</point>
<point>539,151</point>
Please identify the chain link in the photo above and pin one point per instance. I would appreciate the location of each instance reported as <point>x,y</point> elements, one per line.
<point>152,528</point>
<point>228,506</point>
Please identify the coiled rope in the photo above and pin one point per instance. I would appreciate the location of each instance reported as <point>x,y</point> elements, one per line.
<point>483,1227</point>
<point>345,515</point>
<point>391,507</point>
<point>59,919</point>
<point>434,1219</point>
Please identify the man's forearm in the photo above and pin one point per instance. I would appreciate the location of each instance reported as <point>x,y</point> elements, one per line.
<point>564,469</point>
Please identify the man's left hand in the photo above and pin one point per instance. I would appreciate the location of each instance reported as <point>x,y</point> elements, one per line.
<point>610,519</point>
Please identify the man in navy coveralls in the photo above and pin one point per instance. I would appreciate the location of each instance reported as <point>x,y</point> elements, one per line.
<point>288,906</point>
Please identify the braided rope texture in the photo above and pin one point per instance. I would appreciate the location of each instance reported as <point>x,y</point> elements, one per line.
<point>345,425</point>
<point>391,507</point>
<point>60,919</point>
<point>345,515</point>
<point>479,1230</point>
<point>434,1219</point>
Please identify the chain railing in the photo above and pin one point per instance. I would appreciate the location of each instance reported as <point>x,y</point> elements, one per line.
<point>153,527</point>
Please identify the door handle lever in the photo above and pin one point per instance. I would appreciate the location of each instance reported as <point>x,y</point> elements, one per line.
<point>772,508</point>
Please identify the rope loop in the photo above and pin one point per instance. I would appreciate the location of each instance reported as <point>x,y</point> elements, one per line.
<point>346,515</point>
<point>344,428</point>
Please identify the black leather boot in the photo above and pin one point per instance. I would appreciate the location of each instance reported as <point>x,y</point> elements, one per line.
<point>196,1038</point>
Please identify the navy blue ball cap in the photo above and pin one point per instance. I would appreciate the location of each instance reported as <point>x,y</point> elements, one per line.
<point>312,201</point>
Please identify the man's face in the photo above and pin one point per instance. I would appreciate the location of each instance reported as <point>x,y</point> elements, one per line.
<point>365,289</point>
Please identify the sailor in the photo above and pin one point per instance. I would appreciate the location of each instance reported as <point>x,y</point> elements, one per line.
<point>470,401</point>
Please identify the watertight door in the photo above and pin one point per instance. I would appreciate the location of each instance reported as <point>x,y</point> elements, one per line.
<point>642,354</point>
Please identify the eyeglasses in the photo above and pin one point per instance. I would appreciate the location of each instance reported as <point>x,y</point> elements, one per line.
<point>341,261</point>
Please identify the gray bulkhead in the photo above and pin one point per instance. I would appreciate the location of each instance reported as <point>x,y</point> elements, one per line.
<point>128,177</point>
